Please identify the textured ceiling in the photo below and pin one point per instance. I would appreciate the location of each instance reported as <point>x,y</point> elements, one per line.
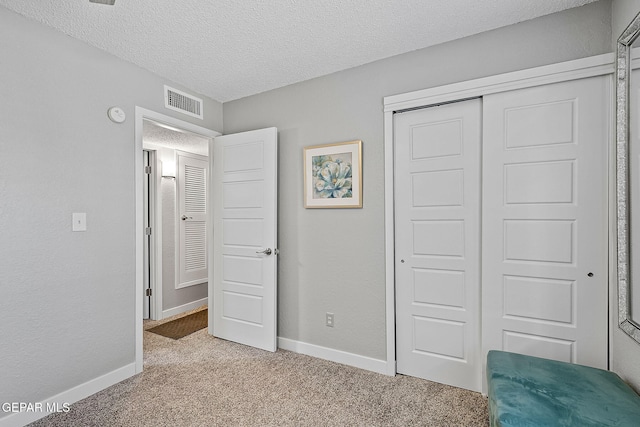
<point>178,140</point>
<point>228,49</point>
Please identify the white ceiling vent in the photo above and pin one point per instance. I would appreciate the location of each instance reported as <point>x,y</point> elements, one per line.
<point>177,100</point>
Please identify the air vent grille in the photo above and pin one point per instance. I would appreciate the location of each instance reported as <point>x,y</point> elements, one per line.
<point>183,102</point>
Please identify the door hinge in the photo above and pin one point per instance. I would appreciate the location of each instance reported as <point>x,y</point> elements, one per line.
<point>147,170</point>
<point>147,231</point>
<point>147,292</point>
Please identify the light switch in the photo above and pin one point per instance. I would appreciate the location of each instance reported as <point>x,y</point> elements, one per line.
<point>79,221</point>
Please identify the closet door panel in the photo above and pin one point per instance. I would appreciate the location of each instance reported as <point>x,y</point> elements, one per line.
<point>437,243</point>
<point>544,242</point>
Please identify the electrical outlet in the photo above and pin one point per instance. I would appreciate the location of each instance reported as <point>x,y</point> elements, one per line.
<point>329,319</point>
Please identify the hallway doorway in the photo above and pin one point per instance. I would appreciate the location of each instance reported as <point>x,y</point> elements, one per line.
<point>161,136</point>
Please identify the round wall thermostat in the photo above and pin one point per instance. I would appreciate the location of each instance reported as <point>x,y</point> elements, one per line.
<point>116,114</point>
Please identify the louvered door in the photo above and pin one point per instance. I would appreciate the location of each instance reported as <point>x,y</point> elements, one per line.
<point>191,197</point>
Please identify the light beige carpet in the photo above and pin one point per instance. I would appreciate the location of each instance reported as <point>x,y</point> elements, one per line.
<point>204,381</point>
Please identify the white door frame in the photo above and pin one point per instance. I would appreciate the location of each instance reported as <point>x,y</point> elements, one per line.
<point>156,236</point>
<point>152,210</point>
<point>141,115</point>
<point>599,65</point>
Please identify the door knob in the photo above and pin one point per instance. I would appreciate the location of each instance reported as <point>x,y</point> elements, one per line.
<point>266,251</point>
<point>184,217</point>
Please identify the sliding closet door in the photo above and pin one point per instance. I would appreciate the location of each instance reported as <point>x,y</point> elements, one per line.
<point>544,280</point>
<point>437,216</point>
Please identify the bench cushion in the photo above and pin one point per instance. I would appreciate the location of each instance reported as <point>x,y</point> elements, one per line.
<point>530,391</point>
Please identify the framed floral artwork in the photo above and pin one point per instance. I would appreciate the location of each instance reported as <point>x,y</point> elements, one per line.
<point>333,175</point>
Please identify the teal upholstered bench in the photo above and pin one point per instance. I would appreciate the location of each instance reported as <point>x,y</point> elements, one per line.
<point>530,391</point>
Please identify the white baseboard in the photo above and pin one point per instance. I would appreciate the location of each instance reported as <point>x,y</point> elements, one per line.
<point>183,308</point>
<point>19,419</point>
<point>338,356</point>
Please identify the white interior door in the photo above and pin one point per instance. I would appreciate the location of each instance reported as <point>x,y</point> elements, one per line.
<point>437,217</point>
<point>244,276</point>
<point>191,186</point>
<point>544,277</point>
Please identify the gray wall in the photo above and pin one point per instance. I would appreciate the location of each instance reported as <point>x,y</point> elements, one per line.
<point>625,360</point>
<point>67,299</point>
<point>333,260</point>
